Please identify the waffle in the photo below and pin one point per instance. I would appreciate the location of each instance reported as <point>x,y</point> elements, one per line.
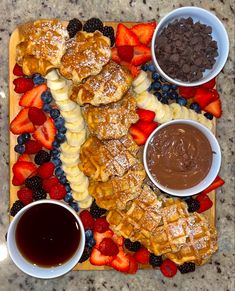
<point>101,159</point>
<point>111,121</point>
<point>110,85</point>
<point>118,191</point>
<point>85,55</point>
<point>42,45</point>
<point>164,226</point>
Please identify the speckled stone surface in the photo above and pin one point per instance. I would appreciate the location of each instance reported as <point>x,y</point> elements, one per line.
<point>218,274</point>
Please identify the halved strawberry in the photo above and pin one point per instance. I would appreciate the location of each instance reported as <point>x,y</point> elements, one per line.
<point>138,135</point>
<point>15,181</point>
<point>37,116</point>
<point>121,262</point>
<point>146,115</point>
<point>22,85</point>
<point>142,256</point>
<point>24,158</point>
<point>133,265</point>
<point>32,98</point>
<point>98,259</point>
<point>204,96</point>
<point>214,108</point>
<point>147,127</point>
<point>142,54</point>
<point>100,236</point>
<point>125,36</point>
<point>209,85</point>
<point>22,170</point>
<point>115,56</point>
<point>45,133</point>
<point>133,69</point>
<point>125,52</point>
<point>205,202</point>
<point>144,31</point>
<point>119,240</point>
<point>21,123</point>
<point>187,92</point>
<point>218,182</point>
<point>108,247</point>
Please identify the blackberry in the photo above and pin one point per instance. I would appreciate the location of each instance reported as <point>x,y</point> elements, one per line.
<point>109,32</point>
<point>186,268</point>
<point>193,204</point>
<point>86,254</point>
<point>155,261</point>
<point>208,115</point>
<point>16,207</point>
<point>42,157</point>
<point>132,246</point>
<point>74,26</point>
<point>93,24</point>
<point>96,211</point>
<point>34,183</point>
<point>39,194</point>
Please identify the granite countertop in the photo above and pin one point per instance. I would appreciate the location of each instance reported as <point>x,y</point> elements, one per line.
<point>218,274</point>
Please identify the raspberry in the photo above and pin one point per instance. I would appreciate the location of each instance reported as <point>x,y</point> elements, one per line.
<point>87,219</point>
<point>16,207</point>
<point>47,184</point>
<point>109,32</point>
<point>108,247</point>
<point>25,195</point>
<point>142,256</point>
<point>18,71</point>
<point>42,157</point>
<point>46,170</point>
<point>193,204</point>
<point>168,268</point>
<point>36,116</point>
<point>155,261</point>
<point>34,182</point>
<point>86,254</point>
<point>132,246</point>
<point>57,192</point>
<point>32,147</point>
<point>186,268</point>
<point>93,24</point>
<point>74,26</point>
<point>101,225</point>
<point>96,211</point>
<point>39,194</point>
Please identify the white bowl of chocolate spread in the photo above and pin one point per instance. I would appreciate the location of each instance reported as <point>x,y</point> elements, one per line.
<point>182,157</point>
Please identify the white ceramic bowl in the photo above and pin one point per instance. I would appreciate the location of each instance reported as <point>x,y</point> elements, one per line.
<point>213,172</point>
<point>218,33</point>
<point>37,271</point>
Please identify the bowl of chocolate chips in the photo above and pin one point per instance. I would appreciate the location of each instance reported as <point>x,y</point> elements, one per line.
<point>190,46</point>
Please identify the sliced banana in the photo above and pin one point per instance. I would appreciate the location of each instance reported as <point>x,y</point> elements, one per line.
<point>140,78</point>
<point>71,170</point>
<point>76,126</point>
<point>80,187</point>
<point>60,95</point>
<point>52,75</point>
<point>69,161</point>
<point>184,112</point>
<point>56,84</point>
<point>66,105</point>
<point>80,178</point>
<point>203,120</point>
<point>68,150</point>
<point>75,138</point>
<point>167,114</point>
<point>159,112</point>
<point>73,115</point>
<point>80,196</point>
<point>193,115</point>
<point>143,86</point>
<point>86,202</point>
<point>176,110</point>
<point>145,99</point>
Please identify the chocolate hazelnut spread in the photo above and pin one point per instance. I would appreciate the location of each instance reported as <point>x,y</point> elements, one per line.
<point>179,156</point>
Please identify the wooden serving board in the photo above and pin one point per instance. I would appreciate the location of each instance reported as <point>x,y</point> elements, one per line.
<point>13,111</point>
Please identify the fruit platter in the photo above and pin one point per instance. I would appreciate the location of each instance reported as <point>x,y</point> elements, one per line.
<point>84,99</point>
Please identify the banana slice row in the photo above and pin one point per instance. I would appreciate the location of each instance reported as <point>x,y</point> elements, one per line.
<point>164,112</point>
<point>75,137</point>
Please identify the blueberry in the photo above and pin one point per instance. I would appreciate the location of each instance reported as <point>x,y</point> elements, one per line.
<point>156,85</point>
<point>67,187</point>
<point>57,162</point>
<point>55,152</point>
<point>26,136</point>
<point>55,144</point>
<point>165,88</point>
<point>208,115</point>
<point>63,179</point>
<point>20,139</point>
<point>91,242</point>
<point>19,149</point>
<point>46,97</point>
<point>162,79</point>
<point>181,101</point>
<point>59,122</point>
<point>88,234</point>
<point>195,106</point>
<point>38,79</point>
<point>144,67</point>
<point>155,76</point>
<point>59,172</point>
<point>60,137</point>
<point>54,113</point>
<point>46,108</point>
<point>173,95</point>
<point>164,100</point>
<point>174,87</point>
<point>62,129</point>
<point>68,197</point>
<point>74,205</point>
<point>158,95</point>
<point>152,68</point>
<point>166,94</point>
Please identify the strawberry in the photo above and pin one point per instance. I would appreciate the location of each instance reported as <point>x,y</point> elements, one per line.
<point>205,202</point>
<point>32,98</point>
<point>87,219</point>
<point>138,135</point>
<point>45,133</point>
<point>133,69</point>
<point>22,170</point>
<point>108,247</point>
<point>133,265</point>
<point>124,36</point>
<point>57,192</point>
<point>100,236</point>
<point>47,184</point>
<point>46,170</point>
<point>24,158</point>
<point>142,54</point>
<point>21,123</point>
<point>32,147</point>
<point>209,85</point>
<point>98,259</point>
<point>147,127</point>
<point>115,56</point>
<point>15,181</point>
<point>144,31</point>
<point>204,96</point>
<point>218,182</point>
<point>125,52</point>
<point>187,92</point>
<point>37,116</point>
<point>119,240</point>
<point>168,268</point>
<point>142,256</point>
<point>18,71</point>
<point>145,115</point>
<point>121,262</point>
<point>101,225</point>
<point>25,195</point>
<point>214,108</point>
<point>23,85</point>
